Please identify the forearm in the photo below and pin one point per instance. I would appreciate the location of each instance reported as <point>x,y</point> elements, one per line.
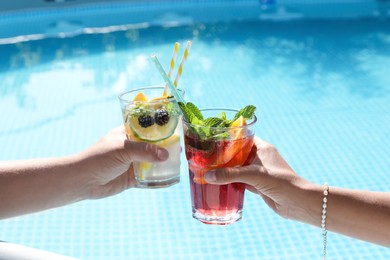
<point>34,185</point>
<point>360,214</point>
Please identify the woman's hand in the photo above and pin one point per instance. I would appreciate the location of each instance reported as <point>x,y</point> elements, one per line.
<point>108,163</point>
<point>268,176</point>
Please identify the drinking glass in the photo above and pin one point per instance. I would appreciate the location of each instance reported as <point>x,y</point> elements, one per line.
<point>154,120</point>
<point>228,147</point>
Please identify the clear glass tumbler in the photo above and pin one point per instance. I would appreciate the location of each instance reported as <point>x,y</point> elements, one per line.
<point>151,117</point>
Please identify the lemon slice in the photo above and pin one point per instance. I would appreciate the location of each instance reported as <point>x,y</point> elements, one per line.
<point>155,132</point>
<point>238,132</point>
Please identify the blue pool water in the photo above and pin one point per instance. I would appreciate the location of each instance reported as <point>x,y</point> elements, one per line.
<point>323,95</point>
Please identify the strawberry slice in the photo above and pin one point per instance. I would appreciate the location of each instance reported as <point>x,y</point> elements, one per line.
<point>199,157</point>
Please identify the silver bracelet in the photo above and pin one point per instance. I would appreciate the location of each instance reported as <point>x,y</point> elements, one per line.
<point>323,221</point>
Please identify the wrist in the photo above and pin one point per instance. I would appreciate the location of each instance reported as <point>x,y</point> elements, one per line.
<point>307,207</point>
<point>95,171</point>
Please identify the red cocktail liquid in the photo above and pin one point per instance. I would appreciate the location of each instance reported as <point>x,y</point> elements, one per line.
<point>217,204</point>
<point>216,201</point>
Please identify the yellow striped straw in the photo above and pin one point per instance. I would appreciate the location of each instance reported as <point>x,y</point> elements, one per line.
<point>180,70</point>
<point>172,65</point>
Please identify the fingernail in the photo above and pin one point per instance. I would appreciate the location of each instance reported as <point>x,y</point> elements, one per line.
<point>162,154</point>
<point>210,176</point>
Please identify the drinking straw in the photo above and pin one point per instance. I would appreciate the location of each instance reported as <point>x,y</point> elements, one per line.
<point>172,64</point>
<point>167,80</point>
<point>185,55</point>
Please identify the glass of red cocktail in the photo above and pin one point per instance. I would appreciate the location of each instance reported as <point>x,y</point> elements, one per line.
<point>214,145</point>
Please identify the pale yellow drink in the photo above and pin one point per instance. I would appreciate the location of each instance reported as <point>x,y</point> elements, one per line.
<point>150,117</point>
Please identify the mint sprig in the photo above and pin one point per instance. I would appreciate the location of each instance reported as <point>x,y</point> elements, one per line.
<point>213,121</point>
<point>194,110</point>
<point>247,112</point>
<point>188,115</point>
<point>213,127</point>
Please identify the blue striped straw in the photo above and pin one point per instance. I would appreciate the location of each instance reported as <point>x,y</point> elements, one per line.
<point>167,80</point>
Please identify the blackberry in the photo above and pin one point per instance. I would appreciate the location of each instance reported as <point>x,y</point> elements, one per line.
<point>161,117</point>
<point>145,121</point>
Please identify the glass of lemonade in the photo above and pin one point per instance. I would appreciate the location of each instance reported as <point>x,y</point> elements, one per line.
<point>208,148</point>
<point>151,116</point>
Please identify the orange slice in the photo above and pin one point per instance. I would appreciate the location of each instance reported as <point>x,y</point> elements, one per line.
<point>235,154</point>
<point>236,145</point>
<point>140,97</point>
<point>242,155</point>
<point>232,149</point>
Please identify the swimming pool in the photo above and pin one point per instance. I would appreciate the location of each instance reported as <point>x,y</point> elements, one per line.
<point>322,91</point>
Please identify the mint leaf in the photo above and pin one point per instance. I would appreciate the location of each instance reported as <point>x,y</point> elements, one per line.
<point>203,132</point>
<point>223,115</point>
<point>193,116</point>
<point>226,123</point>
<point>247,112</point>
<point>200,128</point>
<point>191,113</point>
<point>197,121</point>
<point>213,121</point>
<point>186,112</point>
<point>195,110</point>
